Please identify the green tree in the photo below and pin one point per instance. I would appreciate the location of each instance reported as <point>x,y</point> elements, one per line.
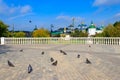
<point>99,35</point>
<point>41,33</point>
<point>117,26</point>
<point>10,34</point>
<point>19,34</point>
<point>110,31</point>
<point>3,29</point>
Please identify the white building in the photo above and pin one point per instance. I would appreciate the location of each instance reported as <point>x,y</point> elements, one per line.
<point>92,29</point>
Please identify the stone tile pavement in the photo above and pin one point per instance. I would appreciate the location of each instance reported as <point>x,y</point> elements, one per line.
<point>105,62</point>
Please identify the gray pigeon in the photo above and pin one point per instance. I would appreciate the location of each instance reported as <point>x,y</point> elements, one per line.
<point>88,61</point>
<point>89,45</point>
<point>10,64</point>
<point>42,53</point>
<point>78,56</point>
<point>61,51</point>
<point>21,50</point>
<point>55,63</point>
<point>51,59</point>
<point>30,69</point>
<point>64,53</point>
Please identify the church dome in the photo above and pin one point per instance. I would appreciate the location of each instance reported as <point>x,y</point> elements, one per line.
<point>92,25</point>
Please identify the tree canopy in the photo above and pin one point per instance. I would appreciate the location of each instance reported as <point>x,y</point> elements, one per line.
<point>117,26</point>
<point>111,30</point>
<point>41,33</point>
<point>19,34</point>
<point>3,29</point>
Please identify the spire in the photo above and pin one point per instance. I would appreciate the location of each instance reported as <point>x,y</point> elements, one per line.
<point>73,21</point>
<point>91,22</point>
<point>82,22</point>
<point>35,27</point>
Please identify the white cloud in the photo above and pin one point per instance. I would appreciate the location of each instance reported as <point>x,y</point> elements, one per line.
<point>69,18</point>
<point>13,10</point>
<point>99,2</point>
<point>3,7</point>
<point>112,19</point>
<point>8,10</point>
<point>105,2</point>
<point>21,15</point>
<point>63,17</point>
<point>79,19</point>
<point>25,9</point>
<point>117,15</point>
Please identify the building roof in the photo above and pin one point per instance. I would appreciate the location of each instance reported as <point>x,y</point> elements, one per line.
<point>98,28</point>
<point>92,25</point>
<point>56,32</point>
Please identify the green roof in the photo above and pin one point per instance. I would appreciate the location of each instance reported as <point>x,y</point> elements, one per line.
<point>98,29</point>
<point>55,33</point>
<point>92,26</point>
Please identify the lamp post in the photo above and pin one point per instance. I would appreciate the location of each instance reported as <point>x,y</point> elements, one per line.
<point>51,26</point>
<point>13,31</point>
<point>73,21</point>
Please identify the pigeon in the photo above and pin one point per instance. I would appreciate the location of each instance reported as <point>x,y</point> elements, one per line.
<point>30,69</point>
<point>78,56</point>
<point>42,53</point>
<point>10,64</point>
<point>61,51</point>
<point>89,46</point>
<point>21,50</point>
<point>55,63</point>
<point>88,61</point>
<point>64,53</point>
<point>51,59</point>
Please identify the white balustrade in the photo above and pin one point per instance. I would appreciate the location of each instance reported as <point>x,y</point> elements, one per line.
<point>59,40</point>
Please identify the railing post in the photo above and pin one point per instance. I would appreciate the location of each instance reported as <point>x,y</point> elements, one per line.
<point>2,40</point>
<point>89,40</point>
<point>118,41</point>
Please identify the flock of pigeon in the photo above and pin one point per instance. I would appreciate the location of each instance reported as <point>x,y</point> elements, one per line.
<point>30,69</point>
<point>78,56</point>
<point>55,62</point>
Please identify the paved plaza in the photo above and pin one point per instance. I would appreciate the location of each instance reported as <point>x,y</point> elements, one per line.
<point>105,62</point>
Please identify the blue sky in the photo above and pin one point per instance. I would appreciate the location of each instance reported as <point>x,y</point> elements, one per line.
<point>58,12</point>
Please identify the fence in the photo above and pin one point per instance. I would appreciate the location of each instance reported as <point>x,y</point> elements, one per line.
<point>59,40</point>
